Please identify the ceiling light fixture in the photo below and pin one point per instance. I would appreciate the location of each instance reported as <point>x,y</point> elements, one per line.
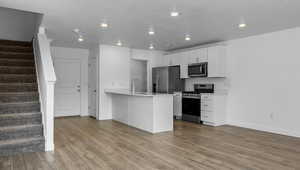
<point>242,23</point>
<point>151,31</point>
<point>76,30</point>
<point>174,13</point>
<point>119,43</point>
<point>104,24</point>
<point>187,37</point>
<point>151,47</point>
<point>80,38</point>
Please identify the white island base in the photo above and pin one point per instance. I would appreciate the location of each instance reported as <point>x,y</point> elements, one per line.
<point>149,112</point>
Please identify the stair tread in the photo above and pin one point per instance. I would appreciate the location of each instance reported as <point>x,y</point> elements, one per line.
<point>19,114</point>
<point>17,59</point>
<point>19,141</point>
<point>20,103</point>
<point>17,83</point>
<point>16,53</point>
<point>18,67</point>
<point>15,46</point>
<point>16,127</point>
<point>18,75</point>
<point>19,93</point>
<point>16,43</point>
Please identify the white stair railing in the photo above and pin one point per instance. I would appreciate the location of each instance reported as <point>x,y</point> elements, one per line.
<point>46,81</point>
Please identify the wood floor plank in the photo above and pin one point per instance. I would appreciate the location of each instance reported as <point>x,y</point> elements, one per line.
<point>88,144</point>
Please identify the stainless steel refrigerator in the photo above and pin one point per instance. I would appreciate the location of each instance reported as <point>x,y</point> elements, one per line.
<point>167,80</point>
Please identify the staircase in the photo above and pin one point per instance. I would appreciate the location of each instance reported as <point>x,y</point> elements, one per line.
<point>21,127</point>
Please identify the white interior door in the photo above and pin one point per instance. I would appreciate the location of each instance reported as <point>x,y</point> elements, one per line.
<point>93,87</point>
<point>67,88</point>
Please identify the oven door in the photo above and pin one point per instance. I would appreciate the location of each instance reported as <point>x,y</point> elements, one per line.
<point>191,109</point>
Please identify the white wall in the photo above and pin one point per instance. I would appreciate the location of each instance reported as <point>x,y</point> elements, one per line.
<point>18,25</point>
<point>264,80</point>
<point>81,54</point>
<point>153,59</point>
<point>114,72</point>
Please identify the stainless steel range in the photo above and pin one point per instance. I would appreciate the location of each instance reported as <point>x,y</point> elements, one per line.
<point>191,102</point>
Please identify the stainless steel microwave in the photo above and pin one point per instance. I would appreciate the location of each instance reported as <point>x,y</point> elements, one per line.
<point>197,70</point>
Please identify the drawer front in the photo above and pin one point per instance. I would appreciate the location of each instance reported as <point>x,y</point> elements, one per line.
<point>206,106</point>
<point>207,116</point>
<point>206,98</point>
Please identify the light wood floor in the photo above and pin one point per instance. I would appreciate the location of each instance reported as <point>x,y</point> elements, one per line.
<point>84,143</point>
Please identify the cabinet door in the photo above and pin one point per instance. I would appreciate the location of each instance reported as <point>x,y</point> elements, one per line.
<point>216,61</point>
<point>184,61</point>
<point>175,59</point>
<point>165,60</point>
<point>198,56</point>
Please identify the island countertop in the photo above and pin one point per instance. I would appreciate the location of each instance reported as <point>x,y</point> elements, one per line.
<point>130,93</point>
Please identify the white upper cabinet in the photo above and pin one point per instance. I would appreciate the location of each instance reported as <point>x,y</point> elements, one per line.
<point>184,61</point>
<point>198,56</point>
<point>165,61</point>
<point>215,56</point>
<point>216,61</point>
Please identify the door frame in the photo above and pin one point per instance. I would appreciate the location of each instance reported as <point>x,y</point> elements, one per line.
<point>96,60</point>
<point>83,77</point>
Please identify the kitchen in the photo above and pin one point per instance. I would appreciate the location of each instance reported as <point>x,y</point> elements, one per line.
<point>183,75</point>
<point>137,84</point>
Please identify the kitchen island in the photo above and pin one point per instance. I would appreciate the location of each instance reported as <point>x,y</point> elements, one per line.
<point>146,111</point>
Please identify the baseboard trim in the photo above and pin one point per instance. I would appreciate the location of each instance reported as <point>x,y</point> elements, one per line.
<point>265,128</point>
<point>49,147</point>
<point>107,117</point>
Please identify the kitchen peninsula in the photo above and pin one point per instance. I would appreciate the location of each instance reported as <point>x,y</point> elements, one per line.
<point>146,111</point>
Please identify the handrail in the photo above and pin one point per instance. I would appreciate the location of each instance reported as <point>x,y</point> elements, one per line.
<point>46,80</point>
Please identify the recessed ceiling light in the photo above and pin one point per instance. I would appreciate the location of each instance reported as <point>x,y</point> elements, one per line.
<point>187,38</point>
<point>119,43</point>
<point>80,38</point>
<point>104,24</point>
<point>151,47</point>
<point>242,23</point>
<point>76,30</point>
<point>174,13</point>
<point>151,31</point>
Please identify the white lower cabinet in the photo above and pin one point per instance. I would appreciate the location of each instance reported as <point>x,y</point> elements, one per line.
<point>213,111</point>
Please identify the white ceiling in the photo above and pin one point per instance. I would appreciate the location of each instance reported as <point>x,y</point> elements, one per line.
<point>205,20</point>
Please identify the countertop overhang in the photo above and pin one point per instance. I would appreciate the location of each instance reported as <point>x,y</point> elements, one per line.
<point>130,93</point>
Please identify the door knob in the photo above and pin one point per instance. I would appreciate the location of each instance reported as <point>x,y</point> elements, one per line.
<point>78,90</point>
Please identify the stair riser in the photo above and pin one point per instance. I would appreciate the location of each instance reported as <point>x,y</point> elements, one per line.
<point>18,88</point>
<point>15,49</point>
<point>26,56</point>
<point>15,43</point>
<point>21,120</point>
<point>17,79</point>
<point>29,63</point>
<point>18,98</point>
<point>20,108</point>
<point>37,146</point>
<point>13,70</point>
<point>36,131</point>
